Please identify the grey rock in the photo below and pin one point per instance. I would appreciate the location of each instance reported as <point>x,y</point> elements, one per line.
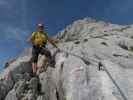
<point>5,87</point>
<point>20,87</point>
<point>31,96</point>
<point>11,95</point>
<point>33,84</point>
<point>3,90</point>
<point>40,98</point>
<point>26,76</point>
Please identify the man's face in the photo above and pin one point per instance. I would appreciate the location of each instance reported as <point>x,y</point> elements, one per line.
<point>40,29</point>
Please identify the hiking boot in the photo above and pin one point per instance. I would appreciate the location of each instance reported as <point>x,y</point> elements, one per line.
<point>33,75</point>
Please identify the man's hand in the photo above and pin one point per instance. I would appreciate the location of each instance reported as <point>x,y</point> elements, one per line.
<point>28,40</point>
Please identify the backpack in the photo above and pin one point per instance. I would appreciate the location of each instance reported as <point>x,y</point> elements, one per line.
<point>39,38</point>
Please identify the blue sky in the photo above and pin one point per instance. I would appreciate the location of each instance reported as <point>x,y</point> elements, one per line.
<point>19,17</point>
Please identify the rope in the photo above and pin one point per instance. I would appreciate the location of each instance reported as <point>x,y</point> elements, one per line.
<point>119,89</point>
<point>83,58</point>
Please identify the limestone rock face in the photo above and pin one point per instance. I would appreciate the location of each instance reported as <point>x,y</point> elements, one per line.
<point>12,74</point>
<point>85,45</point>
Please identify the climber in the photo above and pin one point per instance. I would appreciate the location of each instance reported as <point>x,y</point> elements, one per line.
<point>39,40</point>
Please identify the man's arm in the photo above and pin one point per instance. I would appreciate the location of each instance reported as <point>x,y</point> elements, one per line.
<point>29,40</point>
<point>53,42</point>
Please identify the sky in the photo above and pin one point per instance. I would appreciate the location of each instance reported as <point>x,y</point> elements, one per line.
<point>18,19</point>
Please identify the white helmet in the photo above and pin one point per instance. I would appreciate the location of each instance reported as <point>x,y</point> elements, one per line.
<point>40,25</point>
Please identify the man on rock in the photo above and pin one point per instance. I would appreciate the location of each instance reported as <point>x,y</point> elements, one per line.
<point>39,40</point>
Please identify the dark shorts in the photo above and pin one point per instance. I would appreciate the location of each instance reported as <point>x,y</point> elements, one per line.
<point>39,50</point>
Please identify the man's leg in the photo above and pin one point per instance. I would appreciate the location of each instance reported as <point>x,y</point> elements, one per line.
<point>35,53</point>
<point>34,67</point>
<point>48,56</point>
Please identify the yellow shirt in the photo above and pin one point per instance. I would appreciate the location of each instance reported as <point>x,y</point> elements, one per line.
<point>39,38</point>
